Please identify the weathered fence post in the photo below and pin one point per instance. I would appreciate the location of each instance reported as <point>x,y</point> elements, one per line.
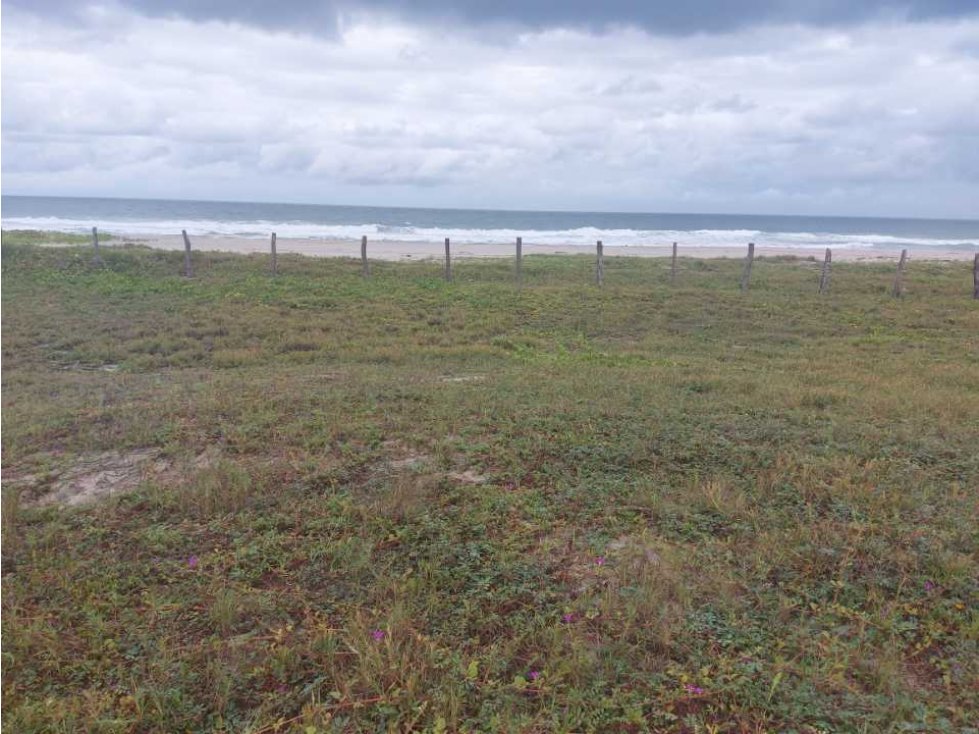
<point>448,261</point>
<point>599,264</point>
<point>188,268</point>
<point>519,262</point>
<point>899,277</point>
<point>673,265</point>
<point>824,275</point>
<point>275,259</point>
<point>365,266</point>
<point>975,277</point>
<point>746,275</point>
<point>95,244</point>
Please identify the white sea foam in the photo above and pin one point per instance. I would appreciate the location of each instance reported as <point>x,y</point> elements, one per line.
<point>582,236</point>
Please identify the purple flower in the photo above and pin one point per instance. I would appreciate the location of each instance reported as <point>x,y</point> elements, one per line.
<point>378,635</point>
<point>193,561</point>
<point>693,690</point>
<point>600,561</point>
<point>930,586</point>
<point>534,674</point>
<point>568,618</point>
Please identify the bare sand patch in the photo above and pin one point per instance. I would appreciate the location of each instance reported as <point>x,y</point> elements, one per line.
<point>412,461</point>
<point>402,458</point>
<point>462,378</point>
<point>469,476</point>
<point>405,459</point>
<point>91,477</point>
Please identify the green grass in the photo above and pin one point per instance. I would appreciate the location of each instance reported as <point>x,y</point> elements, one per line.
<point>704,511</point>
<point>41,237</point>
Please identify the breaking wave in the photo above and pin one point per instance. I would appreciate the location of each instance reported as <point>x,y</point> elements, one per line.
<point>581,236</point>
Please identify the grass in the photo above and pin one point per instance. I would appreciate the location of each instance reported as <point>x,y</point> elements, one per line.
<point>42,237</point>
<point>399,504</point>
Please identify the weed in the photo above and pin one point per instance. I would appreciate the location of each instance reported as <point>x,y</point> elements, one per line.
<point>396,504</point>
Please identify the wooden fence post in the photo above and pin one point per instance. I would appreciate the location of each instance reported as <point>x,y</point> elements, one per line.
<point>95,244</point>
<point>519,262</point>
<point>275,259</point>
<point>365,266</point>
<point>824,275</point>
<point>746,275</point>
<point>448,261</point>
<point>673,265</point>
<point>188,268</point>
<point>899,277</point>
<point>599,264</point>
<point>975,277</point>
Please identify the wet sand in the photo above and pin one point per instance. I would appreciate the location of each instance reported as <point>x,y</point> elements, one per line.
<point>394,250</point>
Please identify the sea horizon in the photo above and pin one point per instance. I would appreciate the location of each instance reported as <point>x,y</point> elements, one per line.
<point>253,219</point>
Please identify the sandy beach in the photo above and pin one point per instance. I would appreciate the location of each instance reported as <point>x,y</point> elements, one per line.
<point>397,250</point>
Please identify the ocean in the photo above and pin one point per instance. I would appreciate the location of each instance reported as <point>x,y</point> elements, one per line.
<point>478,226</point>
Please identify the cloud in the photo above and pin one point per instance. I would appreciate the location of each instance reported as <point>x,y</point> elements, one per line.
<point>657,16</point>
<point>873,117</point>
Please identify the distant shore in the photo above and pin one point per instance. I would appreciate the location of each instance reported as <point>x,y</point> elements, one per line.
<point>396,250</point>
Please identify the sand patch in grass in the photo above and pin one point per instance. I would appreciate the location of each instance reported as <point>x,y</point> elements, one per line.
<point>92,477</point>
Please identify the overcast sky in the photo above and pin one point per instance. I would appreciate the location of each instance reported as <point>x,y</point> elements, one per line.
<point>762,106</point>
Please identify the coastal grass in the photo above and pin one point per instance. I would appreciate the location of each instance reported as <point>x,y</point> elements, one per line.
<point>401,504</point>
<point>43,237</point>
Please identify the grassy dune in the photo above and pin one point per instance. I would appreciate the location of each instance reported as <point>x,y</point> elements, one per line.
<point>398,504</point>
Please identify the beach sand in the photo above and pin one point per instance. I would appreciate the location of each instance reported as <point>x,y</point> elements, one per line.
<point>394,250</point>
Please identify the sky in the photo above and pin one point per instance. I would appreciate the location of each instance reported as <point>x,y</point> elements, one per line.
<point>843,107</point>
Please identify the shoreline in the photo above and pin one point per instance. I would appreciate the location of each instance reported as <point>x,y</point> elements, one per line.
<point>395,250</point>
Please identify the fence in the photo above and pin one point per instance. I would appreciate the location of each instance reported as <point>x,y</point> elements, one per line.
<point>824,276</point>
